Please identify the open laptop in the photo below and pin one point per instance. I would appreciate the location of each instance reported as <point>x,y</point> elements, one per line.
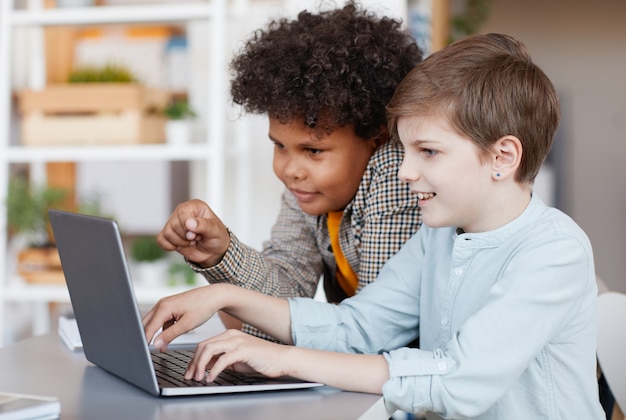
<point>96,271</point>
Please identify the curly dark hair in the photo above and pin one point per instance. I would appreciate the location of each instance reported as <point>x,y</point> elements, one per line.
<point>335,68</point>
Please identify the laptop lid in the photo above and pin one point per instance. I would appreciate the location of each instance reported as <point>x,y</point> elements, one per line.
<point>102,296</point>
<point>108,318</point>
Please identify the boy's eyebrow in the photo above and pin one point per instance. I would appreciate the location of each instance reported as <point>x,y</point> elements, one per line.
<point>312,143</point>
<point>419,142</point>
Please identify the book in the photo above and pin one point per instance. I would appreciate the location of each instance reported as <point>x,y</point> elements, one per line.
<point>68,331</point>
<point>28,407</point>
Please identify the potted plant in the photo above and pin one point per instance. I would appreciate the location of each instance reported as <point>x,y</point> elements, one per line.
<point>109,73</point>
<point>178,126</point>
<point>31,238</point>
<point>29,228</point>
<point>181,274</point>
<point>98,105</point>
<point>27,211</point>
<point>150,260</point>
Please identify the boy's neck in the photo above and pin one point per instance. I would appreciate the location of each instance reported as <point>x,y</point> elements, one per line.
<point>507,205</point>
<point>510,205</point>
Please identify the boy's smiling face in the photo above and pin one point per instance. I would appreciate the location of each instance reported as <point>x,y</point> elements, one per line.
<point>444,169</point>
<point>322,173</point>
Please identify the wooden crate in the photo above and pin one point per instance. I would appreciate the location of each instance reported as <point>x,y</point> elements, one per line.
<point>92,114</point>
<point>40,266</point>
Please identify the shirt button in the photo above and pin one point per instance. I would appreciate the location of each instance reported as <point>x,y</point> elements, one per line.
<point>444,322</point>
<point>458,271</point>
<point>442,365</point>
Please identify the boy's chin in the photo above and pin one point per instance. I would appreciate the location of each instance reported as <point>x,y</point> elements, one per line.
<point>311,209</point>
<point>431,223</point>
<point>315,210</point>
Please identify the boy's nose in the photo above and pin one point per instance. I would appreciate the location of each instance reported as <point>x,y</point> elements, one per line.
<point>293,170</point>
<point>408,172</point>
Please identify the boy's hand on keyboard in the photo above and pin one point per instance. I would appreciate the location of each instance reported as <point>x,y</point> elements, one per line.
<point>177,315</point>
<point>185,311</point>
<point>237,351</point>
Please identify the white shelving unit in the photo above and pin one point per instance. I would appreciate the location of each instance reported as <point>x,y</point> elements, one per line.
<point>210,152</point>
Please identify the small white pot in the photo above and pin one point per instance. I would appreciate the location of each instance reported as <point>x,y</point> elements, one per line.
<point>151,274</point>
<point>178,132</point>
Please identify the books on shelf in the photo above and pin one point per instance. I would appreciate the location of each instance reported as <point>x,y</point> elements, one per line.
<point>31,407</point>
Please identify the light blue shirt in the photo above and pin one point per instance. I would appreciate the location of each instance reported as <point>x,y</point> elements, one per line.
<point>506,321</point>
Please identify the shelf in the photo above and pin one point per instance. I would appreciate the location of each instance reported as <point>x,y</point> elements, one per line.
<point>191,152</point>
<point>113,14</point>
<point>210,61</point>
<point>21,292</point>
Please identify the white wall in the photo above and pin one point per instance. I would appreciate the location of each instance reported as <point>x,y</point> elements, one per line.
<point>581,46</point>
<point>136,193</point>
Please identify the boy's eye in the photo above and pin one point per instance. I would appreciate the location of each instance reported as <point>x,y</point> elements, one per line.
<point>429,152</point>
<point>278,145</point>
<point>314,151</point>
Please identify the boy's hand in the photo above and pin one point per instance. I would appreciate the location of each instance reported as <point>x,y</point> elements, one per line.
<point>237,351</point>
<point>179,314</point>
<point>196,233</point>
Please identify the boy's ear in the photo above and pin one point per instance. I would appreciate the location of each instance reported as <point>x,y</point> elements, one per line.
<point>507,156</point>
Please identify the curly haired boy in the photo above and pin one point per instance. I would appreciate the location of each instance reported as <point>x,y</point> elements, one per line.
<point>323,80</point>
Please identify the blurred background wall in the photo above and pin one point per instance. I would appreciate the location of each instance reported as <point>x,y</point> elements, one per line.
<point>581,46</point>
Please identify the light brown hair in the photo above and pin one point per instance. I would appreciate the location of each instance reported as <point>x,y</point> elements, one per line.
<point>487,87</point>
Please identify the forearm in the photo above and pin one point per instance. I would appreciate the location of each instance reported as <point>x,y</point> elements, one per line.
<point>267,313</point>
<point>351,372</point>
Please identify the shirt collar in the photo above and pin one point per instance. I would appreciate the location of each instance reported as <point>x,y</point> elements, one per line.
<point>496,237</point>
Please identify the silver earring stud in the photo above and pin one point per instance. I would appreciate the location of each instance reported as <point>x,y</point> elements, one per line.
<point>498,174</point>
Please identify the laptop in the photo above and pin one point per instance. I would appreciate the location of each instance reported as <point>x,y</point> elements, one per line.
<point>101,292</point>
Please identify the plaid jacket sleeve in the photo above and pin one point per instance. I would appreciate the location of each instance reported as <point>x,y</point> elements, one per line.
<point>289,265</point>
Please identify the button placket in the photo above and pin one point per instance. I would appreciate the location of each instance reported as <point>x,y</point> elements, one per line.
<point>460,258</point>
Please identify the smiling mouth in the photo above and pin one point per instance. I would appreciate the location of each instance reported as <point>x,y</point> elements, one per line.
<point>425,196</point>
<point>303,196</point>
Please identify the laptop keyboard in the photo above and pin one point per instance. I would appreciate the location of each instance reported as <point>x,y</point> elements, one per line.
<point>170,369</point>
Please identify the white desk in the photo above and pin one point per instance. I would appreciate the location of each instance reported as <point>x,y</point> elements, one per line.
<point>44,366</point>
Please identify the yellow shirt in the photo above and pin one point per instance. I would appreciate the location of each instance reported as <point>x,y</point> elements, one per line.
<point>346,278</point>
